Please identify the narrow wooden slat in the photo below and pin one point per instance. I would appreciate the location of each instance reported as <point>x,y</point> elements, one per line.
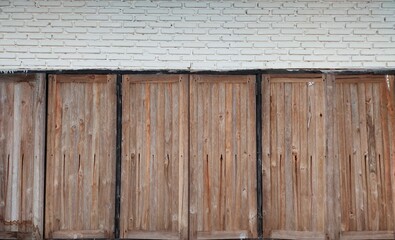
<point>229,188</point>
<point>279,88</point>
<point>266,155</point>
<point>70,234</point>
<point>251,162</point>
<point>223,235</point>
<point>71,78</point>
<point>359,78</point>
<point>151,235</point>
<point>289,165</point>
<point>295,80</point>
<point>321,145</point>
<point>193,171</point>
<point>295,153</point>
<point>361,235</point>
<point>16,235</point>
<point>349,159</point>
<point>16,78</point>
<point>312,161</point>
<point>304,222</point>
<point>232,79</point>
<point>390,95</point>
<point>152,79</point>
<point>281,234</point>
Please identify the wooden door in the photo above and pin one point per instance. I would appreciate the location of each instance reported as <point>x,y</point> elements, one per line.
<point>155,182</point>
<point>22,119</point>
<point>222,157</point>
<point>293,156</point>
<point>80,182</point>
<point>365,148</point>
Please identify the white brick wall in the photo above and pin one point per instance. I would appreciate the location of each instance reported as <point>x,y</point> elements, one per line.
<point>196,35</point>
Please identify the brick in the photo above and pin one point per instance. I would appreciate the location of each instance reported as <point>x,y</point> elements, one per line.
<point>283,11</point>
<point>49,3</point>
<point>209,11</point>
<point>40,50</point>
<point>46,16</point>
<point>288,44</point>
<point>246,18</point>
<point>258,12</point>
<point>153,11</point>
<point>10,62</point>
<point>64,50</point>
<point>229,11</point>
<point>22,16</point>
<point>12,23</point>
<point>236,25</point>
<point>73,3</point>
<point>72,17</point>
<point>221,18</point>
<point>194,4</point>
<point>57,63</point>
<point>7,56</point>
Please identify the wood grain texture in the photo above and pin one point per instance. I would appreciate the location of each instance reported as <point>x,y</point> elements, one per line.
<point>154,156</point>
<point>81,154</point>
<point>365,235</point>
<point>363,127</point>
<point>222,163</point>
<point>294,128</point>
<point>22,118</point>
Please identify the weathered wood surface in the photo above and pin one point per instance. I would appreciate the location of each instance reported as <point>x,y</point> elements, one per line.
<point>22,118</point>
<point>224,235</point>
<point>364,124</point>
<point>17,235</point>
<point>294,153</point>
<point>367,235</point>
<point>154,156</point>
<point>152,235</point>
<point>81,154</point>
<point>222,155</point>
<point>284,234</point>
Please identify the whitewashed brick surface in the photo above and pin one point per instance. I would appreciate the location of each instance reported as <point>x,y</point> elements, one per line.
<point>196,35</point>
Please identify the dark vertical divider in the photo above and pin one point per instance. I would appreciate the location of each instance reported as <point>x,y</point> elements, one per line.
<point>118,157</point>
<point>258,116</point>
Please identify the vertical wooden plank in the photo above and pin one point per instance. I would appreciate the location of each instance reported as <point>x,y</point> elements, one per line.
<point>312,161</point>
<point>215,158</point>
<point>50,155</point>
<point>228,156</point>
<point>295,153</point>
<point>244,156</point>
<point>266,155</point>
<point>332,212</point>
<point>288,161</point>
<point>206,156</point>
<point>184,162</point>
<point>221,147</point>
<point>380,174</point>
<point>252,184</point>
<point>304,159</point>
<point>360,207</point>
<point>274,159</point>
<point>320,154</point>
<point>391,116</point>
<point>350,159</point>
<point>39,151</point>
<point>386,153</point>
<point>281,152</point>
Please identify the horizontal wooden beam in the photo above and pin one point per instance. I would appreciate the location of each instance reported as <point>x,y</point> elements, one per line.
<point>284,234</point>
<point>152,235</point>
<point>16,235</point>
<point>360,235</point>
<point>223,235</point>
<point>76,234</point>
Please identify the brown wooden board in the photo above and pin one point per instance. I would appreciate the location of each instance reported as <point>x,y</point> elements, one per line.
<point>363,135</point>
<point>294,146</point>
<point>222,156</point>
<point>154,185</point>
<point>22,118</point>
<point>80,169</point>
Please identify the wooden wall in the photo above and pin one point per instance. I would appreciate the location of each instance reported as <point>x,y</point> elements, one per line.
<point>22,111</point>
<point>80,183</point>
<point>222,157</point>
<point>154,156</point>
<point>189,156</point>
<point>294,154</point>
<point>365,147</point>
